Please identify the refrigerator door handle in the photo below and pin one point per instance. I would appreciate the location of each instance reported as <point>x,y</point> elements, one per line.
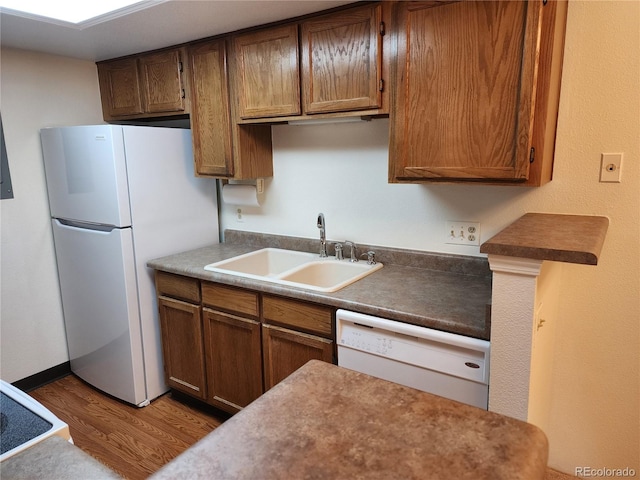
<point>63,222</point>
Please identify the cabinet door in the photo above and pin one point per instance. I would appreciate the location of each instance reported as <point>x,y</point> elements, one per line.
<point>210,116</point>
<point>181,328</point>
<point>161,75</point>
<point>342,61</point>
<point>120,88</point>
<point>234,360</point>
<point>464,82</point>
<point>266,72</point>
<point>285,351</point>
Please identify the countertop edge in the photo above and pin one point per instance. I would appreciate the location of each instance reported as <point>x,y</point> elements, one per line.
<point>554,237</point>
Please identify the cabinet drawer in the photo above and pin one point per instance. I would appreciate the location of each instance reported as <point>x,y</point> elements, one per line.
<point>178,286</point>
<point>230,299</point>
<point>304,316</point>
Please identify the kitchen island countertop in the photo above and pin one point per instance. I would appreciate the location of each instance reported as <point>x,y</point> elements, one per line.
<point>450,300</point>
<point>328,422</point>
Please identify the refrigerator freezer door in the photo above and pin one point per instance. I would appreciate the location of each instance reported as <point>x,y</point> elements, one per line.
<point>100,303</point>
<point>86,174</point>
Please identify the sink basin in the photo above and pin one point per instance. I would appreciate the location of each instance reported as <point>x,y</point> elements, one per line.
<point>297,269</point>
<point>330,275</point>
<point>268,262</point>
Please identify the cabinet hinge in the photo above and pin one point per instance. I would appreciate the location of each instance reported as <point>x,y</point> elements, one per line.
<point>180,69</point>
<point>532,155</point>
<point>184,95</point>
<point>382,29</point>
<point>381,87</point>
<point>544,3</point>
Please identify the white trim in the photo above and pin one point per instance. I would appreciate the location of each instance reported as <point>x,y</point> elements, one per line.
<point>90,22</point>
<point>520,266</point>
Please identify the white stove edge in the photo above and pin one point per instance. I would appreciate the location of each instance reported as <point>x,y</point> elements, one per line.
<point>58,427</point>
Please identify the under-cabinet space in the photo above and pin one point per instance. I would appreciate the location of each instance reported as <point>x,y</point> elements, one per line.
<point>144,86</point>
<point>475,91</point>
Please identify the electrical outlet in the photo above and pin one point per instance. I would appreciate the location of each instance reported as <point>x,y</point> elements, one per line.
<point>239,217</point>
<point>462,233</point>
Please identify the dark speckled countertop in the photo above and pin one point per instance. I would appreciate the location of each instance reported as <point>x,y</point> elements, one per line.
<point>327,422</point>
<point>554,237</point>
<point>445,292</point>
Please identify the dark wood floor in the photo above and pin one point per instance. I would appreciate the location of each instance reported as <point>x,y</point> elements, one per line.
<point>135,442</point>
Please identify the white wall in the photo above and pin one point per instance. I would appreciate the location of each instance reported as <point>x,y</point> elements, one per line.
<point>341,170</point>
<point>35,91</point>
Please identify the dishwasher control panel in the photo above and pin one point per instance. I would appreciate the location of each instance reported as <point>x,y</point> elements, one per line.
<point>422,347</point>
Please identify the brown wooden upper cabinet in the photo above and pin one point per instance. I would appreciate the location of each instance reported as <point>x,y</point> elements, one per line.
<point>265,72</point>
<point>475,91</point>
<point>335,66</point>
<point>210,117</point>
<point>342,61</point>
<point>148,85</point>
<point>221,148</point>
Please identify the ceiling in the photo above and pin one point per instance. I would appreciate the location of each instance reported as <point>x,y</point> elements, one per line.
<point>161,25</point>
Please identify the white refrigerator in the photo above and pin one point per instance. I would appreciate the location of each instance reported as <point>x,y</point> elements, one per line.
<point>120,196</point>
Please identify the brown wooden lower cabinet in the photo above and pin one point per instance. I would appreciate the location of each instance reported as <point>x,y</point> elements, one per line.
<point>285,351</point>
<point>181,326</point>
<point>220,343</point>
<point>234,360</point>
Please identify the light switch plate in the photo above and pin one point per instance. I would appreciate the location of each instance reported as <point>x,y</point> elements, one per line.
<point>462,233</point>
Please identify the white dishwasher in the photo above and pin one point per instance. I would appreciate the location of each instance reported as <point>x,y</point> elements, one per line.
<point>442,363</point>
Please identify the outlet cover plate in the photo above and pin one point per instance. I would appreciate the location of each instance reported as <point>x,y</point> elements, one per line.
<point>462,233</point>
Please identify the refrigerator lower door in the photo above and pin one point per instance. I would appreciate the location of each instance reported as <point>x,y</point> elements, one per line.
<point>96,268</point>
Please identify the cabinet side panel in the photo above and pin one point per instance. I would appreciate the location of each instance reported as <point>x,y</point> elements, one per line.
<point>554,19</point>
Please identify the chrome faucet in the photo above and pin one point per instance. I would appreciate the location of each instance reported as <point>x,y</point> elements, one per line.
<point>323,237</point>
<point>353,256</point>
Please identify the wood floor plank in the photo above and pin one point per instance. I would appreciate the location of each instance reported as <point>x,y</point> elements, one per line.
<point>135,442</point>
